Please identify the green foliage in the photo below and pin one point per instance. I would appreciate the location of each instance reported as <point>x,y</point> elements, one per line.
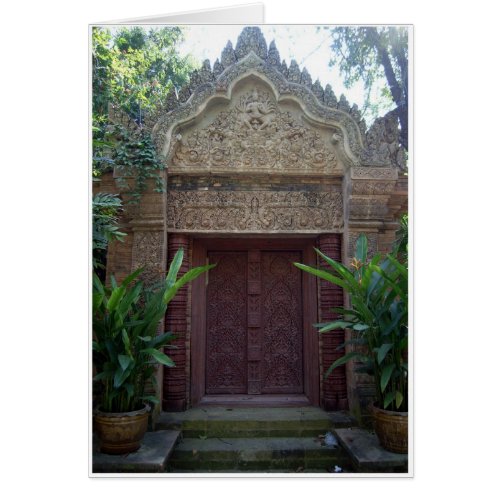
<point>126,347</point>
<point>133,70</point>
<point>136,69</point>
<point>136,161</point>
<point>372,53</point>
<point>378,317</point>
<point>400,246</point>
<point>105,228</point>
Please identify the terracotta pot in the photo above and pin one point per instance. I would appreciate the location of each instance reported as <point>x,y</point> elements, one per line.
<point>121,433</point>
<point>391,428</point>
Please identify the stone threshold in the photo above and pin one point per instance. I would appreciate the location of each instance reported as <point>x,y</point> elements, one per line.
<point>367,455</point>
<point>152,456</point>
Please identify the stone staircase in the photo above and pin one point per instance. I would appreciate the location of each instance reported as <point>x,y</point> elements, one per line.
<point>215,439</point>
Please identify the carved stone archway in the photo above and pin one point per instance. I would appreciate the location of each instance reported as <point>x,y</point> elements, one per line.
<point>253,148</point>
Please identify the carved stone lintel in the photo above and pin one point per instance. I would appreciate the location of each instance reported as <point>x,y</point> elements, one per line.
<point>255,211</point>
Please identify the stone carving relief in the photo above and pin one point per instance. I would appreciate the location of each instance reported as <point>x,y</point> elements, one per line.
<point>374,173</point>
<point>254,134</point>
<point>369,187</point>
<point>254,211</point>
<point>383,141</point>
<point>147,252</point>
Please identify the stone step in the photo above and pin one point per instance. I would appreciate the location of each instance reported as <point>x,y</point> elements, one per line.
<point>152,456</point>
<point>366,454</point>
<point>221,422</point>
<point>291,454</point>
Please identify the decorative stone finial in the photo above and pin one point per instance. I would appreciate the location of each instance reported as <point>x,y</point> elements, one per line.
<point>305,78</point>
<point>228,57</point>
<point>330,99</point>
<point>284,69</point>
<point>273,56</point>
<point>294,72</point>
<point>218,68</point>
<point>318,90</point>
<point>343,104</point>
<point>206,74</point>
<point>251,39</point>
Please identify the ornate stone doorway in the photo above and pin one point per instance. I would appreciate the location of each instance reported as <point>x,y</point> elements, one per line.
<point>252,336</point>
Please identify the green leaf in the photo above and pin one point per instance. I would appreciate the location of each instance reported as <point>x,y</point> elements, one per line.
<point>361,248</point>
<point>382,352</point>
<point>159,356</point>
<point>360,327</point>
<point>399,399</point>
<point>324,274</point>
<point>343,360</point>
<point>116,296</point>
<point>385,376</point>
<point>151,399</point>
<point>389,398</point>
<point>125,361</point>
<point>335,325</point>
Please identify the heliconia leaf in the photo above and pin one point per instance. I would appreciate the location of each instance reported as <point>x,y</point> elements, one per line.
<point>382,352</point>
<point>131,277</point>
<point>389,398</point>
<point>175,265</point>
<point>159,356</point>
<point>323,274</point>
<point>335,325</point>
<point>116,296</point>
<point>361,248</point>
<point>124,361</point>
<point>186,278</point>
<point>343,360</point>
<point>386,376</point>
<point>360,327</point>
<point>399,399</point>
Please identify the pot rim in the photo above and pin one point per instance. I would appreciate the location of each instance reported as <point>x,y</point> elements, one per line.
<point>373,406</point>
<point>145,409</point>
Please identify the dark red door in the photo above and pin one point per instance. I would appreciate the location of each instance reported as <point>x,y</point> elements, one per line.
<point>254,336</point>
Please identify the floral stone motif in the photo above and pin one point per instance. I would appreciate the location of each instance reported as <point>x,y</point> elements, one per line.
<point>254,135</point>
<point>254,211</point>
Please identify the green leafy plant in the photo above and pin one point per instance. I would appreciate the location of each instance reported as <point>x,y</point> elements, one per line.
<point>126,347</point>
<point>378,318</point>
<point>106,208</point>
<point>136,161</point>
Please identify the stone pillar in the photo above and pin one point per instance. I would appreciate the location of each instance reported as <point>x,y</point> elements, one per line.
<point>176,321</point>
<point>373,208</point>
<point>334,388</point>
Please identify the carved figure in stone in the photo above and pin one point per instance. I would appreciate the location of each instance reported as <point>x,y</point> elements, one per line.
<point>257,113</point>
<point>382,140</point>
<point>256,135</point>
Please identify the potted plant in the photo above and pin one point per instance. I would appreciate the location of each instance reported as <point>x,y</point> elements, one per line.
<point>378,318</point>
<point>126,350</point>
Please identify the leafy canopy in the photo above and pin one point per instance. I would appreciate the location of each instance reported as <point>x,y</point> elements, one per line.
<point>372,53</point>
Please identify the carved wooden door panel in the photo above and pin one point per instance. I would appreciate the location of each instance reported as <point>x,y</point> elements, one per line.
<point>254,323</point>
<point>227,324</point>
<point>282,325</point>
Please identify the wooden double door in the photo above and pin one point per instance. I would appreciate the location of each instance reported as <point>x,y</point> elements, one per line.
<point>251,320</point>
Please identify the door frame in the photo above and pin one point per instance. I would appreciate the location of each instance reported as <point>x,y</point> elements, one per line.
<point>201,246</point>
